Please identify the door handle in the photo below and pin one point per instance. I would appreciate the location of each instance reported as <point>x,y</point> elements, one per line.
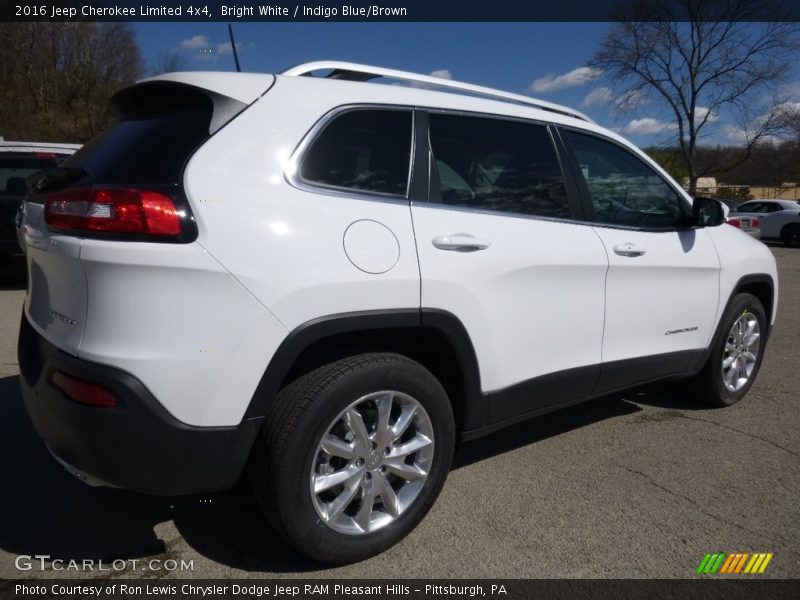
<point>460,242</point>
<point>628,249</point>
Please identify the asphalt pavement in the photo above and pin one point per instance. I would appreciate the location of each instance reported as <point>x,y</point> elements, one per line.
<point>640,484</point>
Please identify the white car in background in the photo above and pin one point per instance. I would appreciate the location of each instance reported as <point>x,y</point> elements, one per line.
<point>778,219</point>
<point>18,160</point>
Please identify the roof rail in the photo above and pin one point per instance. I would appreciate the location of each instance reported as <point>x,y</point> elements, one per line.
<point>356,72</point>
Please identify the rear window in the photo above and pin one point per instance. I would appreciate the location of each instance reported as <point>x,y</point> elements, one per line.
<point>364,150</point>
<point>15,168</point>
<point>158,127</point>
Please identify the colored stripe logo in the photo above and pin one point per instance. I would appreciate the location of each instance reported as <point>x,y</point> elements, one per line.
<point>734,563</point>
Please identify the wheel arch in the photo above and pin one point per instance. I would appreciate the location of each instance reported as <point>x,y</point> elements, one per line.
<point>786,227</point>
<point>434,338</point>
<point>760,285</point>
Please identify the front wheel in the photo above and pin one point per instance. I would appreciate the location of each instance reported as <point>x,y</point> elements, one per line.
<point>736,353</point>
<point>353,455</point>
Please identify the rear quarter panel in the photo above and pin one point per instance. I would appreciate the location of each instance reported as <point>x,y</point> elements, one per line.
<point>285,245</point>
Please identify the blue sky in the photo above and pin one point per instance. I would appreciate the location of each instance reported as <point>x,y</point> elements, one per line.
<point>545,60</point>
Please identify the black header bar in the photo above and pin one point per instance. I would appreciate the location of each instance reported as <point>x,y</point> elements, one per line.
<point>235,11</point>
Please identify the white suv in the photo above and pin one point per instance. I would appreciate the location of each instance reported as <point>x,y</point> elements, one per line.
<point>331,281</point>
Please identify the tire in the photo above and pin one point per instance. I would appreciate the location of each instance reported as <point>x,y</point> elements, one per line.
<point>717,386</point>
<point>289,453</point>
<point>790,235</point>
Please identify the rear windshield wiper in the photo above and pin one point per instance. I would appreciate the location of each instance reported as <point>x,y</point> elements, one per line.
<point>49,178</point>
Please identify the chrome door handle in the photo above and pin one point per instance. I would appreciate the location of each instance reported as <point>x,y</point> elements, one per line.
<point>628,249</point>
<point>460,242</point>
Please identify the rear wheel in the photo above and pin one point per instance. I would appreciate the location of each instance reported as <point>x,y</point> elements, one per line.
<point>790,235</point>
<point>736,353</point>
<point>353,456</point>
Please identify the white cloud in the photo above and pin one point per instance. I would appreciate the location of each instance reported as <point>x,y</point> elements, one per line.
<point>601,95</point>
<point>700,113</point>
<point>766,126</point>
<point>225,48</point>
<point>442,73</point>
<point>647,126</point>
<point>576,77</point>
<point>788,108</point>
<point>197,42</point>
<point>735,135</point>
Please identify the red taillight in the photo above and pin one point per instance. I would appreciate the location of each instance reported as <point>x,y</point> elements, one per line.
<point>754,222</point>
<point>735,222</point>
<point>44,154</point>
<point>112,210</point>
<point>84,392</point>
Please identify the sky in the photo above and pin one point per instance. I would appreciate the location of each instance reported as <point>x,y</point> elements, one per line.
<point>543,60</point>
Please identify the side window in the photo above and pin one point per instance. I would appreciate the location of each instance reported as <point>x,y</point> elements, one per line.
<point>751,207</point>
<point>772,207</point>
<point>623,188</point>
<point>491,164</point>
<point>367,150</point>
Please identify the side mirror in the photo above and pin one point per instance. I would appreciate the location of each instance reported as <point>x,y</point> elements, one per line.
<point>707,212</point>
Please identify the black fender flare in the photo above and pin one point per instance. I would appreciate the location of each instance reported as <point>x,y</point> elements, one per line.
<point>475,403</point>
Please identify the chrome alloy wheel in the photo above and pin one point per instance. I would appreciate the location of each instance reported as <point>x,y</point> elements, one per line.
<point>741,351</point>
<point>372,462</point>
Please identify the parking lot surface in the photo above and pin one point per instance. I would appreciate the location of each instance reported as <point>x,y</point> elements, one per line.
<point>640,484</point>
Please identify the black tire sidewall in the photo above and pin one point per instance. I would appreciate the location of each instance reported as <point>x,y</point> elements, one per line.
<point>300,523</point>
<point>719,394</point>
<point>786,235</point>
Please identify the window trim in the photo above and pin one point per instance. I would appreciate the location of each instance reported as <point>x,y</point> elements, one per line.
<point>291,172</point>
<point>573,197</point>
<point>586,196</point>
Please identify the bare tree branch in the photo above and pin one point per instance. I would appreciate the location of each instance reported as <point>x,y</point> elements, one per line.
<point>701,55</point>
<point>56,78</point>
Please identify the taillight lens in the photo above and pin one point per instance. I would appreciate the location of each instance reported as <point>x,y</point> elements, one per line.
<point>735,223</point>
<point>755,223</point>
<point>84,392</point>
<point>113,210</point>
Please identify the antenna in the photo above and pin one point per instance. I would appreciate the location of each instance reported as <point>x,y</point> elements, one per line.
<point>233,47</point>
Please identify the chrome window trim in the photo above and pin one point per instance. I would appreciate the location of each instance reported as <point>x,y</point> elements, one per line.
<point>291,172</point>
<point>501,213</point>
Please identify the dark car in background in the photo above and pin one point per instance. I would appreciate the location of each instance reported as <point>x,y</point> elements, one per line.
<point>19,160</point>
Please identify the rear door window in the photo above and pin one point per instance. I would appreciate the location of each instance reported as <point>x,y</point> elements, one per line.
<point>496,165</point>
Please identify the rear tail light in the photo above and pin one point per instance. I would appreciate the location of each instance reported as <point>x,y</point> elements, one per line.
<point>735,223</point>
<point>755,223</point>
<point>130,212</point>
<point>85,392</point>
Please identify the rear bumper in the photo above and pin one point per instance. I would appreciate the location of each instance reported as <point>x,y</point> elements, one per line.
<point>138,445</point>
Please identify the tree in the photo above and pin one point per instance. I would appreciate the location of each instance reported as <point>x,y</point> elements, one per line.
<point>700,57</point>
<point>741,194</point>
<point>168,62</point>
<point>56,78</point>
<point>671,162</point>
